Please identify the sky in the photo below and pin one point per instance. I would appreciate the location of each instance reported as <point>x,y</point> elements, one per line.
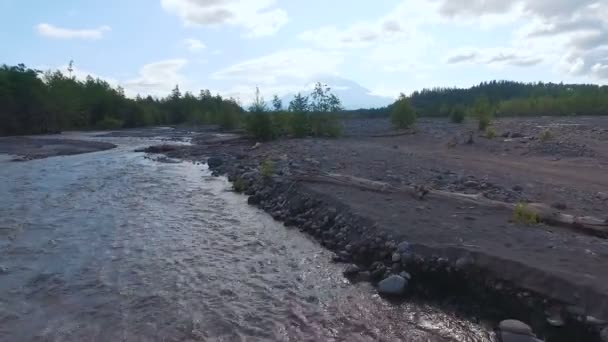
<point>283,46</point>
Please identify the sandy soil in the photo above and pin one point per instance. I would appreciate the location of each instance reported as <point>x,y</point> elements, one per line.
<point>28,148</point>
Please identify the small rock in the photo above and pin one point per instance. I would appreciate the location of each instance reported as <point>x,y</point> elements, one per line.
<point>3,270</point>
<point>516,327</point>
<point>471,184</point>
<point>403,247</point>
<point>595,321</point>
<point>351,270</point>
<point>518,188</point>
<point>516,135</point>
<point>396,257</point>
<point>394,286</point>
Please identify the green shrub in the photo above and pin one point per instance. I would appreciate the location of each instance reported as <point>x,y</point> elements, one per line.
<point>457,114</point>
<point>298,124</point>
<point>239,185</point>
<point>545,135</point>
<point>490,133</point>
<point>484,122</point>
<point>324,125</point>
<point>524,215</point>
<point>403,115</point>
<point>267,169</point>
<point>260,126</point>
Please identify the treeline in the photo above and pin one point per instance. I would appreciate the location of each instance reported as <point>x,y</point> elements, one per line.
<point>33,102</point>
<point>508,98</point>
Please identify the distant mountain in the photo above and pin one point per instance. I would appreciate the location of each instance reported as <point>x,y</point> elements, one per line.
<point>351,93</point>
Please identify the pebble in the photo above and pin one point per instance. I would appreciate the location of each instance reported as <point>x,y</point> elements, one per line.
<point>393,285</point>
<point>396,257</point>
<point>516,327</point>
<point>403,247</point>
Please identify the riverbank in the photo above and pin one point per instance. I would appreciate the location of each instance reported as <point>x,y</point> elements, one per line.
<point>29,148</point>
<point>551,277</point>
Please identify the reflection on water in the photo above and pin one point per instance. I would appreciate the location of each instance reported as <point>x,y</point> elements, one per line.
<point>111,246</point>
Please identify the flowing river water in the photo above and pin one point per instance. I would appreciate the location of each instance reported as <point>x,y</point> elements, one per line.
<point>113,246</point>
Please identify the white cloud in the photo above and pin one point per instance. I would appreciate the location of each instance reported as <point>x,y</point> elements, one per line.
<point>51,31</point>
<point>280,73</point>
<point>257,17</point>
<point>401,25</point>
<point>194,45</point>
<point>495,57</point>
<point>158,78</point>
<point>570,35</point>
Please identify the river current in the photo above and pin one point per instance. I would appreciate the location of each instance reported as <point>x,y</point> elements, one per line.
<point>114,246</point>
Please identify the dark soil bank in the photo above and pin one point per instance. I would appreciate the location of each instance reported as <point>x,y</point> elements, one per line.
<point>461,254</point>
<point>27,148</point>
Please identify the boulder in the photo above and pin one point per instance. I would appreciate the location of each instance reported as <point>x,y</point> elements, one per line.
<point>394,285</point>
<point>516,327</point>
<point>510,337</point>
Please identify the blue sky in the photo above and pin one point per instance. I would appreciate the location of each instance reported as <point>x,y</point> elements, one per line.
<point>231,46</point>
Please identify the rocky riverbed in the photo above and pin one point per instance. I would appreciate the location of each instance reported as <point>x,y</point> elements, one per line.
<point>476,258</point>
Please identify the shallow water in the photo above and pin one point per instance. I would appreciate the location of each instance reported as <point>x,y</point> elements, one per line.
<point>111,246</point>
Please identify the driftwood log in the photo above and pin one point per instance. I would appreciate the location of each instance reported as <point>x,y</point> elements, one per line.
<point>544,213</point>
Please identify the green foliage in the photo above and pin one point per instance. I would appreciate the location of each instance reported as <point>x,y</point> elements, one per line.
<point>490,133</point>
<point>239,185</point>
<point>35,102</point>
<point>259,121</point>
<point>483,112</point>
<point>307,116</point>
<point>524,215</point>
<point>403,115</point>
<point>545,135</point>
<point>458,114</point>
<point>277,104</point>
<point>267,169</point>
<point>109,123</point>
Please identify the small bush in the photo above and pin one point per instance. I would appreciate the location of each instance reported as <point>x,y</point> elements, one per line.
<point>484,122</point>
<point>524,215</point>
<point>260,126</point>
<point>239,185</point>
<point>545,135</point>
<point>298,124</point>
<point>403,115</point>
<point>457,114</point>
<point>267,169</point>
<point>490,133</point>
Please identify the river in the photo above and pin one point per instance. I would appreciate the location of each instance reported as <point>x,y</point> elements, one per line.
<point>113,246</point>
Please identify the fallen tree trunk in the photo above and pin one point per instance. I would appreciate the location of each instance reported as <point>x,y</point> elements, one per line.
<point>543,212</point>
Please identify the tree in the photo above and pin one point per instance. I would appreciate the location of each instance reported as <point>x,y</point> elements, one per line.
<point>259,123</point>
<point>299,104</point>
<point>277,104</point>
<point>403,115</point>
